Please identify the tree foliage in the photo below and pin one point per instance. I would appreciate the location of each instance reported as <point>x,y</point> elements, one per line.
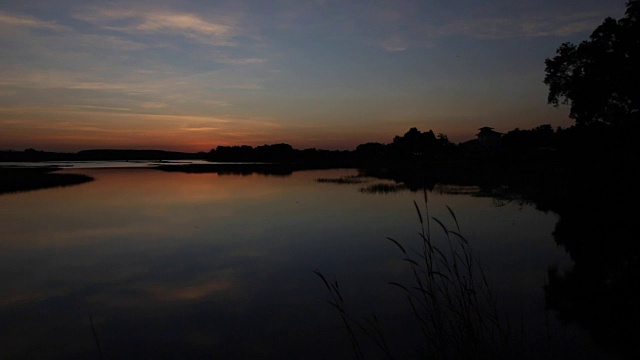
<point>600,77</point>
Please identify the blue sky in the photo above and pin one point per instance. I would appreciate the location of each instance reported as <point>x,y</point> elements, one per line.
<point>192,75</point>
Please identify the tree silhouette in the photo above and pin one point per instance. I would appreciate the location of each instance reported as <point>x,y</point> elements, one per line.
<point>600,78</point>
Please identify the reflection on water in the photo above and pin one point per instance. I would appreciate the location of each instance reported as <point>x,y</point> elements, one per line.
<point>100,164</point>
<point>208,265</point>
<point>601,291</point>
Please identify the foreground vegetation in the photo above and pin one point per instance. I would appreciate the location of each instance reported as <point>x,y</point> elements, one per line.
<point>449,296</point>
<point>588,174</point>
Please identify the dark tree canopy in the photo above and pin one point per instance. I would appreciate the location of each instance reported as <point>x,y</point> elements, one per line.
<point>600,78</point>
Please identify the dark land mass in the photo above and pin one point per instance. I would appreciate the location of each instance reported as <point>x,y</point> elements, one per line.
<point>26,179</point>
<point>542,164</point>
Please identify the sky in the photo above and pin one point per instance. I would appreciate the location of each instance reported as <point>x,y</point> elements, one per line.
<point>329,74</point>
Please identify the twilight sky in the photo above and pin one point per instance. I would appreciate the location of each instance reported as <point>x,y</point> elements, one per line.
<point>331,74</point>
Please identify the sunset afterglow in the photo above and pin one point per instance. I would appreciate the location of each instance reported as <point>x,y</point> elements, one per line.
<point>192,75</point>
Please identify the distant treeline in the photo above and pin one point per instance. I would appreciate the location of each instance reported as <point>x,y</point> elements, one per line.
<point>538,144</point>
<point>542,143</point>
<point>413,145</point>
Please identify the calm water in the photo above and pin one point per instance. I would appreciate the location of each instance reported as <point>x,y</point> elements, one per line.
<point>221,266</point>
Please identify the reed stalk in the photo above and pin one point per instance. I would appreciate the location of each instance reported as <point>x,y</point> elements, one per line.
<point>449,297</point>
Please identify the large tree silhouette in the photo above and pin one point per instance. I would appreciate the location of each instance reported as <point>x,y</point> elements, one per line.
<point>600,77</point>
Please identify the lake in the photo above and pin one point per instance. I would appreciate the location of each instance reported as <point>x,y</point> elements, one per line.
<point>141,263</point>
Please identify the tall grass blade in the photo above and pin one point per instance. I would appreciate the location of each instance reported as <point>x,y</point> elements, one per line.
<point>95,337</point>
<point>398,244</point>
<point>324,280</point>
<point>453,215</point>
<point>418,211</point>
<point>444,228</point>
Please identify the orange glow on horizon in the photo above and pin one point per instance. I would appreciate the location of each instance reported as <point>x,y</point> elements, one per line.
<point>190,142</point>
<point>63,130</point>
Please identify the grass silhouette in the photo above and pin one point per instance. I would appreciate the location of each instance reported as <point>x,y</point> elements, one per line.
<point>449,297</point>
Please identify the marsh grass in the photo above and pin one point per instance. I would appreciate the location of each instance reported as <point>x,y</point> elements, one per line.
<point>383,188</point>
<point>449,297</point>
<point>351,179</point>
<point>375,188</point>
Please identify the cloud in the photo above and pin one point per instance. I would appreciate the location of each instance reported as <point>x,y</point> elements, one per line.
<point>523,27</point>
<point>182,23</point>
<point>399,33</point>
<point>240,61</point>
<point>94,107</point>
<point>153,105</point>
<point>202,128</point>
<point>95,86</point>
<point>109,42</point>
<point>27,21</point>
<point>36,78</point>
<point>393,43</point>
<point>20,77</point>
<point>244,86</point>
<point>561,25</point>
<point>144,21</point>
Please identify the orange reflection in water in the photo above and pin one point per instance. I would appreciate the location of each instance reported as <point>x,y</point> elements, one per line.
<point>168,251</point>
<point>191,292</point>
<point>126,202</point>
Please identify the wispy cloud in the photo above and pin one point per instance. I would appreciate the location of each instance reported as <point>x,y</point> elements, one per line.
<point>202,128</point>
<point>562,25</point>
<point>244,86</point>
<point>524,26</point>
<point>181,22</point>
<point>109,42</point>
<point>95,86</point>
<point>153,105</point>
<point>20,77</point>
<point>27,21</point>
<point>239,61</point>
<point>393,43</point>
<point>81,126</point>
<point>407,33</point>
<point>94,107</point>
<point>145,21</point>
<point>37,78</point>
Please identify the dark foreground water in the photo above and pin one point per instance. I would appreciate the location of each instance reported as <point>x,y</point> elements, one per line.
<point>147,264</point>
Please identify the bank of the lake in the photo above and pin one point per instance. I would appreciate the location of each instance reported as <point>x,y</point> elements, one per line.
<point>14,179</point>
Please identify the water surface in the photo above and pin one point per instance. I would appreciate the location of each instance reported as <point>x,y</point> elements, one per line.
<point>207,265</point>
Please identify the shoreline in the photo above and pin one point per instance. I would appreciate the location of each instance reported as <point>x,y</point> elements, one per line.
<point>20,179</point>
